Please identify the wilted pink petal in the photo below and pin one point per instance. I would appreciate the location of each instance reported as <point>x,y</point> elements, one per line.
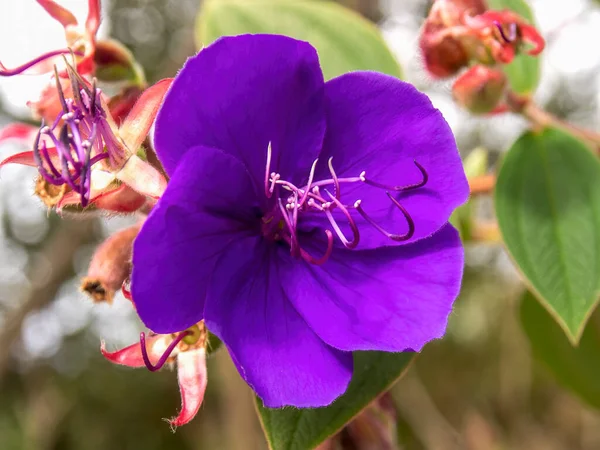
<point>19,131</point>
<point>122,199</point>
<point>192,377</point>
<point>62,15</point>
<point>142,177</point>
<point>132,356</point>
<point>69,199</point>
<point>138,122</point>
<point>27,158</point>
<point>92,22</point>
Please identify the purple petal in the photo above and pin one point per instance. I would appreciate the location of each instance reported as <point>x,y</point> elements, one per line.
<point>390,299</point>
<point>208,205</point>
<point>275,351</point>
<point>381,125</point>
<point>241,93</point>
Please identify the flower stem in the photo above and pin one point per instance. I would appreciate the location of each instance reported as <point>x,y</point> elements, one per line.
<point>482,184</point>
<point>541,119</point>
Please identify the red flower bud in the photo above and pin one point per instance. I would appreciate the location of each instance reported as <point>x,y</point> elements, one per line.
<point>480,89</point>
<point>459,32</point>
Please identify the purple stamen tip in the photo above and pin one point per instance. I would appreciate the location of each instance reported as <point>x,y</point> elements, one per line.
<point>512,29</point>
<point>165,356</point>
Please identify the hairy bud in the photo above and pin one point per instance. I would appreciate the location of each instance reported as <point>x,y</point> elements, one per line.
<point>110,266</point>
<point>480,89</point>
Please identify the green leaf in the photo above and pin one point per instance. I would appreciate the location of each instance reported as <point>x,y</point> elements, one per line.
<point>303,429</point>
<point>344,40</point>
<point>576,368</point>
<point>214,343</point>
<point>524,72</point>
<point>475,164</point>
<point>548,208</point>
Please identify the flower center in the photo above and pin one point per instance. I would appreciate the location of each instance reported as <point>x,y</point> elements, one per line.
<point>79,131</point>
<point>316,196</point>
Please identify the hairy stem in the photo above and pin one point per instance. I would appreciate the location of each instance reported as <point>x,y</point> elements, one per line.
<point>541,119</point>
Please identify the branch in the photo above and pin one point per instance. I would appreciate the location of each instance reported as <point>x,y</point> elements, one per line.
<point>483,184</point>
<point>541,119</point>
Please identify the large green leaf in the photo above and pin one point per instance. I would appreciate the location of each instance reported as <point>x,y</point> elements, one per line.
<point>577,368</point>
<point>344,40</point>
<point>524,72</point>
<point>304,429</point>
<point>548,207</point>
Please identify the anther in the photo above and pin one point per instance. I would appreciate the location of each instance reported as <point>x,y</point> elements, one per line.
<point>423,182</point>
<point>164,357</point>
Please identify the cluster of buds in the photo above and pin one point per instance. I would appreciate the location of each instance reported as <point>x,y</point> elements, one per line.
<point>93,154</point>
<point>463,35</point>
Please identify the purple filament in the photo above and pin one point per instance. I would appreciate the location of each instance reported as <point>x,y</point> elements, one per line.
<point>293,200</point>
<point>22,68</point>
<point>165,356</point>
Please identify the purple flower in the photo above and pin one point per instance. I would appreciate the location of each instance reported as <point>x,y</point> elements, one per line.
<point>303,220</point>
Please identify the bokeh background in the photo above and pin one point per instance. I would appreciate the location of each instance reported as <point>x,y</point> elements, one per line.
<point>477,389</point>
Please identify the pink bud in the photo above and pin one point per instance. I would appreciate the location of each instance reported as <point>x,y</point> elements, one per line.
<point>110,266</point>
<point>480,89</point>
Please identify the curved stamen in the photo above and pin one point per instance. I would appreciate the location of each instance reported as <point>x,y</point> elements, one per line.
<point>50,178</point>
<point>22,68</point>
<point>98,157</point>
<point>395,237</point>
<point>317,262</point>
<point>165,356</point>
<point>65,158</point>
<point>336,181</point>
<point>423,182</point>
<point>268,186</point>
<point>311,175</point>
<point>46,155</point>
<point>355,234</point>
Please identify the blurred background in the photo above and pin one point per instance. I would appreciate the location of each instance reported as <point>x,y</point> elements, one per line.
<point>477,389</point>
